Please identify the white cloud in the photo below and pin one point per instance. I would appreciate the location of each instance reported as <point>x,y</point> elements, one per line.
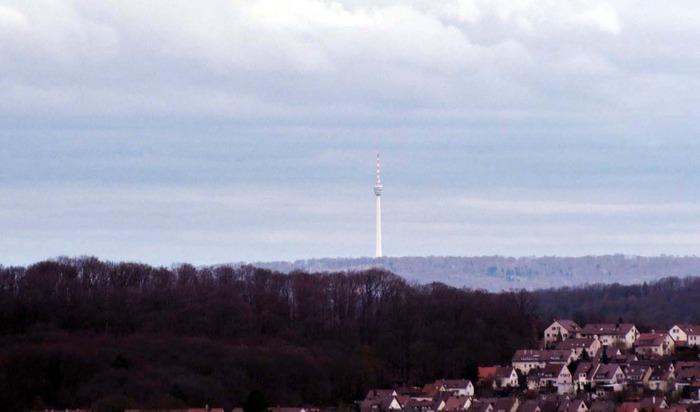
<point>401,56</point>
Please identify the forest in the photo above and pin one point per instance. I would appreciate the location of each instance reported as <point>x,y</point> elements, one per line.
<point>81,332</point>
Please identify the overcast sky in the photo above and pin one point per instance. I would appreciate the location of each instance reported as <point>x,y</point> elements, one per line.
<point>230,130</point>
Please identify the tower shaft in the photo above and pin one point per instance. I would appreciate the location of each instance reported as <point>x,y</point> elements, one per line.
<point>378,194</point>
<point>378,240</point>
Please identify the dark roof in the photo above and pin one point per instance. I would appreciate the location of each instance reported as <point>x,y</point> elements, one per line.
<point>620,329</point>
<point>568,324</point>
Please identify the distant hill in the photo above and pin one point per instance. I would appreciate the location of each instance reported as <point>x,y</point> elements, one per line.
<point>496,273</point>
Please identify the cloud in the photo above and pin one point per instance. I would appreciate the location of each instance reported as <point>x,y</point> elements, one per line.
<point>129,124</point>
<point>310,58</point>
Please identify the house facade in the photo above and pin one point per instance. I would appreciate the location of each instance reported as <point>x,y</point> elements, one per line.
<point>561,330</point>
<point>654,344</point>
<point>526,359</point>
<point>580,345</point>
<point>685,334</point>
<point>612,334</point>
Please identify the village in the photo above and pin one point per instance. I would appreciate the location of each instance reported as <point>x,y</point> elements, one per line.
<point>607,367</point>
<point>603,367</point>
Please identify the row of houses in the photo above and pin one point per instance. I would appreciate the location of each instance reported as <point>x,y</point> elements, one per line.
<point>394,401</point>
<point>624,335</point>
<point>591,359</point>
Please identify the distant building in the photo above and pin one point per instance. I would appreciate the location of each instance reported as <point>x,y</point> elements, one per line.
<point>561,330</point>
<point>685,334</point>
<point>623,334</point>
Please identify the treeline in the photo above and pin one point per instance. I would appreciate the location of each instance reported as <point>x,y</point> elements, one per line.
<point>657,305</point>
<point>83,332</point>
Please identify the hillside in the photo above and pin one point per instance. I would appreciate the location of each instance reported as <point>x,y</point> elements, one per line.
<point>495,273</point>
<point>89,333</point>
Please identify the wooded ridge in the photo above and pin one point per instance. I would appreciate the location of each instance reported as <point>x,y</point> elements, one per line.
<point>84,332</point>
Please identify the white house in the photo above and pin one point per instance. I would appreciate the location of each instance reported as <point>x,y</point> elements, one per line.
<point>685,334</point>
<point>505,377</point>
<point>552,376</point>
<point>624,334</point>
<point>526,359</point>
<point>458,387</point>
<point>561,330</point>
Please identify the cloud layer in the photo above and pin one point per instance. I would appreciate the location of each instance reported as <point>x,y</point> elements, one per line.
<point>226,130</point>
<point>308,58</point>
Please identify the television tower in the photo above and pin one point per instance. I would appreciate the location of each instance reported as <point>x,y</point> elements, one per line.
<point>378,194</point>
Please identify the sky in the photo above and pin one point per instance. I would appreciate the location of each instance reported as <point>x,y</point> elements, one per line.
<point>238,130</point>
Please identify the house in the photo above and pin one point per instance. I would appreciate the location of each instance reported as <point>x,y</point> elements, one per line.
<point>583,376</point>
<point>560,330</point>
<point>624,360</point>
<point>580,345</point>
<point>458,387</point>
<point>505,377</point>
<point>602,406</point>
<point>526,359</point>
<point>411,392</point>
<point>685,334</point>
<point>275,409</point>
<point>622,334</point>
<point>629,407</point>
<point>206,409</point>
<point>637,376</point>
<point>509,404</point>
<point>481,406</point>
<point>661,380</point>
<point>576,405</point>
<point>530,405</point>
<point>379,400</point>
<point>416,405</point>
<point>609,376</point>
<point>457,403</point>
<point>686,376</point>
<point>654,344</point>
<point>653,403</point>
<point>553,376</point>
<point>554,402</point>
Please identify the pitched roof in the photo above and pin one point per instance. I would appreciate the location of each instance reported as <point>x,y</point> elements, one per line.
<point>541,355</point>
<point>530,405</point>
<point>454,403</point>
<point>636,372</point>
<point>589,368</point>
<point>616,329</point>
<point>486,372</point>
<point>602,406</point>
<point>568,324</point>
<point>504,372</point>
<point>505,404</point>
<point>575,405</point>
<point>628,407</point>
<point>606,371</point>
<point>651,339</point>
<point>689,329</point>
<point>379,393</point>
<point>451,384</point>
